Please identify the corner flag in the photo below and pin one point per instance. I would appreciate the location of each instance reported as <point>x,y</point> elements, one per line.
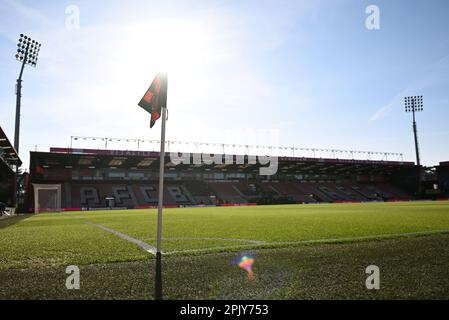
<point>155,102</point>
<point>155,98</point>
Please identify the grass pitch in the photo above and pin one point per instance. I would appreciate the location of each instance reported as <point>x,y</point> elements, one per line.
<point>302,251</point>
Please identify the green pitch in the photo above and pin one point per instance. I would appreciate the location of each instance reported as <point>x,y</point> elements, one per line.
<point>75,238</point>
<point>212,235</point>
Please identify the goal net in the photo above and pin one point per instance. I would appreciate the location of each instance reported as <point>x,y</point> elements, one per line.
<point>47,198</point>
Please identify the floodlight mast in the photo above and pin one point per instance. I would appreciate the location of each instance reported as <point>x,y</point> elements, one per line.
<point>413,105</point>
<point>27,53</point>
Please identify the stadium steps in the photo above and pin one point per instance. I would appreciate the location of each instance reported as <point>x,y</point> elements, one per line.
<point>238,191</point>
<point>312,189</point>
<point>269,188</point>
<point>199,191</point>
<point>329,192</point>
<point>300,195</point>
<point>187,193</point>
<point>367,191</point>
<point>292,190</point>
<point>226,192</point>
<point>353,194</point>
<point>340,192</point>
<point>395,192</point>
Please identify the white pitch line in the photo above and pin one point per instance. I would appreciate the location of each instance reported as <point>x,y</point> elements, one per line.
<point>214,239</point>
<point>373,237</point>
<point>145,246</point>
<point>151,249</point>
<point>211,249</point>
<point>324,240</point>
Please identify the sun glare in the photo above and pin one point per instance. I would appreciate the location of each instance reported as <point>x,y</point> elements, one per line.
<point>178,47</point>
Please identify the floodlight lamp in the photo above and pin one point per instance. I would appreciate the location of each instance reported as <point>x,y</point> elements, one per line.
<point>28,50</point>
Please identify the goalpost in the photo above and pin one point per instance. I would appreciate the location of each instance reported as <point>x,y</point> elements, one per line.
<point>47,197</point>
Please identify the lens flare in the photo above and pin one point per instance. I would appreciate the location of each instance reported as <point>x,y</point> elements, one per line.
<point>246,261</point>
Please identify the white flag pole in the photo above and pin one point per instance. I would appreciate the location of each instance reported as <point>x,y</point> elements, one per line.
<point>158,279</point>
<point>161,182</point>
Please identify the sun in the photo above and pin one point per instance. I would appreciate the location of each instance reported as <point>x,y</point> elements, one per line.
<point>178,47</point>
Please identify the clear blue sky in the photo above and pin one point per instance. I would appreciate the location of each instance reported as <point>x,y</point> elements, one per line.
<point>310,70</point>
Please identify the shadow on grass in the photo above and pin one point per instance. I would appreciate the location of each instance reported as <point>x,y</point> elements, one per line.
<point>411,268</point>
<point>7,222</point>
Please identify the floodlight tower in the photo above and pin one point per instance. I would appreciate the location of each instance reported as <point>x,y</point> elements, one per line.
<point>415,104</point>
<point>27,53</point>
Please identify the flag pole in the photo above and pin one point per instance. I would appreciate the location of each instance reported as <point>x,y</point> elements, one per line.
<point>161,181</point>
<point>158,282</point>
<point>155,102</point>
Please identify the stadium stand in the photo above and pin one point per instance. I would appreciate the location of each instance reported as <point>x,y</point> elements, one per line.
<point>8,160</point>
<point>89,178</point>
<point>227,192</point>
<point>200,192</point>
<point>443,178</point>
<point>367,192</point>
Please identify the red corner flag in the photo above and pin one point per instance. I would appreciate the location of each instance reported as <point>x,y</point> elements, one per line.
<point>155,98</point>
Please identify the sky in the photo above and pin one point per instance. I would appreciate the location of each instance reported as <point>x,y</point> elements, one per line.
<point>289,73</point>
